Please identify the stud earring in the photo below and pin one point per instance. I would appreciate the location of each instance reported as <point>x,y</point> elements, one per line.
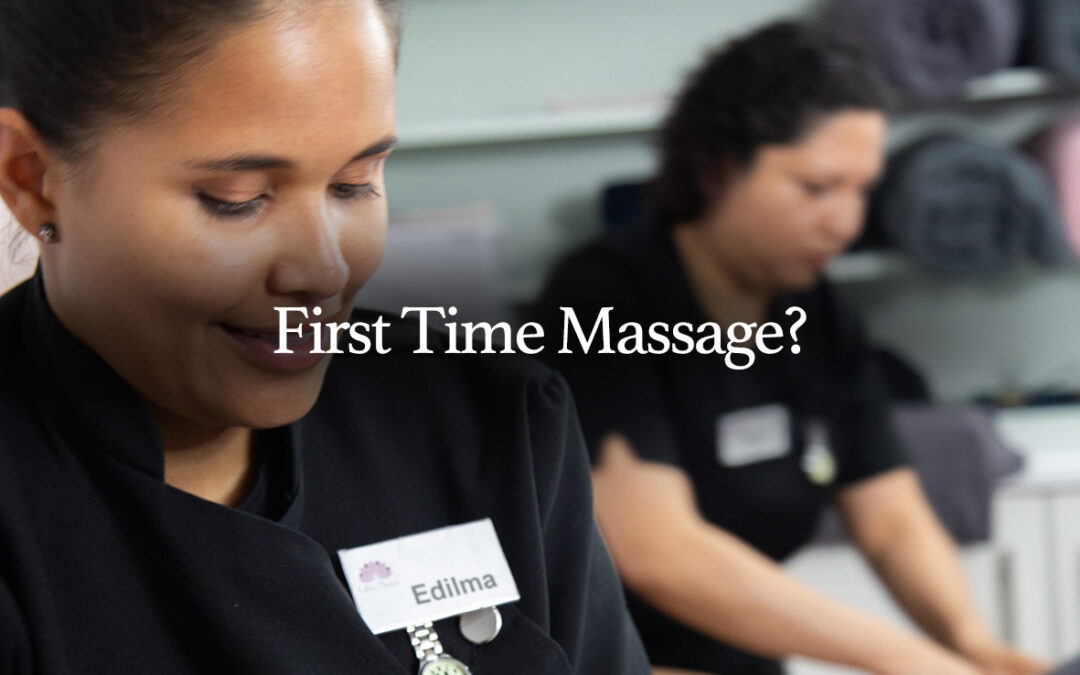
<point>47,233</point>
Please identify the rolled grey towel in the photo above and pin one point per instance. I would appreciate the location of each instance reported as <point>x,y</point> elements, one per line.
<point>1053,36</point>
<point>959,458</point>
<point>957,206</point>
<point>1067,668</point>
<point>931,48</point>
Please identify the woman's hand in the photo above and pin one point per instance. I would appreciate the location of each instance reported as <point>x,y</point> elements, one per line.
<point>927,658</point>
<point>895,528</point>
<point>995,658</point>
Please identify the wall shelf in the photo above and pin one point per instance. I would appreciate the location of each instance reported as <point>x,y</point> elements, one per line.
<point>879,265</point>
<point>865,266</point>
<point>530,127</point>
<point>1010,85</point>
<point>1015,83</point>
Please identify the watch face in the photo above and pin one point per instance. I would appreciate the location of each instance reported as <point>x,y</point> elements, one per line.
<point>444,665</point>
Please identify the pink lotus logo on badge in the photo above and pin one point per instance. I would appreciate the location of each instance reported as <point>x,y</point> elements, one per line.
<point>374,571</point>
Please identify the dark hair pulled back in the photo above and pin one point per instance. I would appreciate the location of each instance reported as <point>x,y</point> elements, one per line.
<point>72,65</point>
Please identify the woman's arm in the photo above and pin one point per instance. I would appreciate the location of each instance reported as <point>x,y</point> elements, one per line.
<point>891,522</point>
<point>711,581</point>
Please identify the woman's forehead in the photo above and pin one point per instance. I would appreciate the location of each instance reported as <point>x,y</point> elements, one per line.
<point>837,141</point>
<point>309,80</point>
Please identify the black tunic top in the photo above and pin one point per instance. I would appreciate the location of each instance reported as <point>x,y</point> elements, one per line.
<point>669,408</point>
<point>106,569</point>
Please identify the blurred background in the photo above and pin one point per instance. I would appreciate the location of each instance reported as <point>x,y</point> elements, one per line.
<point>527,111</point>
<point>517,116</point>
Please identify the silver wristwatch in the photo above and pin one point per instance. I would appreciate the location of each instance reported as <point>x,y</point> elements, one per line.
<point>433,660</point>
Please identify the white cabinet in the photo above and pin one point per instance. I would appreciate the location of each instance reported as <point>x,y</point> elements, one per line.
<point>1065,566</point>
<point>1040,524</point>
<point>1026,581</point>
<point>1024,585</point>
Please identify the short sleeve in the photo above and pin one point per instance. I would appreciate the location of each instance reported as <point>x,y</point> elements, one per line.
<point>615,393</point>
<point>589,617</point>
<point>861,426</point>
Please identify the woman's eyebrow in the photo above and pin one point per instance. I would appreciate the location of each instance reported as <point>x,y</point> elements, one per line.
<point>264,162</point>
<point>242,163</point>
<point>379,148</point>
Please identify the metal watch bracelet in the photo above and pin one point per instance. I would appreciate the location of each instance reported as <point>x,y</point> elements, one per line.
<point>425,642</point>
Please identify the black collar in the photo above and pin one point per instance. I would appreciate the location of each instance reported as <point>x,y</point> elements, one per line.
<point>79,394</point>
<point>81,398</point>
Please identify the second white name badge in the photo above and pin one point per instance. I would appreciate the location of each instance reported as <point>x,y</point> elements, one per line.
<point>753,435</point>
<point>428,576</point>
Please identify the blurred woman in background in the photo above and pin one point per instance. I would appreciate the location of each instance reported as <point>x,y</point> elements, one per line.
<point>706,477</point>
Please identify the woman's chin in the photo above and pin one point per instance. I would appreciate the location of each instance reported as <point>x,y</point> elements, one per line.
<point>268,406</point>
<point>277,418</point>
<point>798,278</point>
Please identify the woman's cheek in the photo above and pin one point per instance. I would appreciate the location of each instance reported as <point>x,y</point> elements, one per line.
<point>195,267</point>
<point>364,247</point>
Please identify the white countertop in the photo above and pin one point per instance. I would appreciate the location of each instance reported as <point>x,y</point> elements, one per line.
<point>1049,439</point>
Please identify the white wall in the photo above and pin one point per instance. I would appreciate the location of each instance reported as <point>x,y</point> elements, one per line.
<point>470,58</point>
<point>1019,331</point>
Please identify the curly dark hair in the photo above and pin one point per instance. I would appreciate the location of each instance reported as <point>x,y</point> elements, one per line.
<point>769,87</point>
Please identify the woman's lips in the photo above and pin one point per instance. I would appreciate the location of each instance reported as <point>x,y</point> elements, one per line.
<point>258,346</point>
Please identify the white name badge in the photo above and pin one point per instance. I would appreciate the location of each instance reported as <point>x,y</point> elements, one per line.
<point>753,435</point>
<point>428,576</point>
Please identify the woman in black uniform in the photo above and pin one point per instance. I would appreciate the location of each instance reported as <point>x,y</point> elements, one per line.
<point>175,493</point>
<point>705,476</point>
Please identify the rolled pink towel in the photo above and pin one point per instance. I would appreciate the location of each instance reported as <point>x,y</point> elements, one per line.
<point>1058,149</point>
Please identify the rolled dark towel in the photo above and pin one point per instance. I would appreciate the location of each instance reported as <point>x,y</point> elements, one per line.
<point>1052,39</point>
<point>1058,150</point>
<point>1068,668</point>
<point>931,48</point>
<point>959,458</point>
<point>961,207</point>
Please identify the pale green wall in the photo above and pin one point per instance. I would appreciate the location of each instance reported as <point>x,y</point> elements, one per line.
<point>482,59</point>
<point>466,58</point>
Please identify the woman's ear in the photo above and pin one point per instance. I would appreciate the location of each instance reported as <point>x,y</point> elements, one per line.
<point>23,162</point>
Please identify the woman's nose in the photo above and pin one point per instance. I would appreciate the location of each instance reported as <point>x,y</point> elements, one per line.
<point>310,260</point>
